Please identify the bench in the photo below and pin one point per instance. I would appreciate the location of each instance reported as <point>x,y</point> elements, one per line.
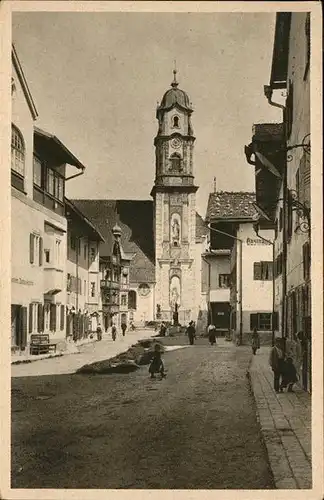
<point>40,344</point>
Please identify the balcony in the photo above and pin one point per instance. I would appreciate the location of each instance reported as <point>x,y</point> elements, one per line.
<point>115,285</point>
<point>53,280</point>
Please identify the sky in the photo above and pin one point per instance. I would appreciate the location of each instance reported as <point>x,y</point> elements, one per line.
<point>96,79</point>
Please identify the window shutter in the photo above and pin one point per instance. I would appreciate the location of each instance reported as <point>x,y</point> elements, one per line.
<point>40,251</point>
<point>257,270</point>
<point>68,324</point>
<point>31,248</point>
<point>62,317</point>
<point>53,317</point>
<point>290,217</point>
<point>306,180</point>
<point>23,337</point>
<point>30,321</point>
<point>40,317</point>
<point>253,321</point>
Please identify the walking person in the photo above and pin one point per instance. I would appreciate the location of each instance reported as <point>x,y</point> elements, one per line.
<point>99,332</point>
<point>124,328</point>
<point>156,365</point>
<point>191,332</point>
<point>113,331</point>
<point>277,359</point>
<point>255,341</point>
<point>162,329</point>
<point>211,334</point>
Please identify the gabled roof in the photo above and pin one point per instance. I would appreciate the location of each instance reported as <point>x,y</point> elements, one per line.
<point>135,218</point>
<point>23,82</point>
<point>89,228</point>
<point>228,205</point>
<point>56,147</point>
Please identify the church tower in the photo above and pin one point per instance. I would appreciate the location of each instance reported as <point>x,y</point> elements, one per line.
<point>174,195</point>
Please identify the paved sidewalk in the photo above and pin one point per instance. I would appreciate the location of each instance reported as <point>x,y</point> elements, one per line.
<point>88,353</point>
<point>285,420</point>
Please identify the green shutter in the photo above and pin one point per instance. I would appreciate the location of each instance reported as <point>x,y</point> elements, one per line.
<point>253,321</point>
<point>30,321</point>
<point>40,251</point>
<point>257,270</point>
<point>31,248</point>
<point>23,327</point>
<point>62,317</point>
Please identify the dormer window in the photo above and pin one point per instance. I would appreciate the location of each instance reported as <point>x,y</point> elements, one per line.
<point>175,122</point>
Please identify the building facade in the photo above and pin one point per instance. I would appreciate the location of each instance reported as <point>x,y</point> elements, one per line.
<point>38,239</point>
<point>287,166</point>
<point>174,194</point>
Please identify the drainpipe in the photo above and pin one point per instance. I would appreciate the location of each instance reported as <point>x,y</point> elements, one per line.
<point>268,93</point>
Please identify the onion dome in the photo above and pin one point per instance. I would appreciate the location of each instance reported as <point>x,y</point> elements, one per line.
<point>175,96</point>
<point>116,230</point>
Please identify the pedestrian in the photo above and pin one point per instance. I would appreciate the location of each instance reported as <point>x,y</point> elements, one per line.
<point>276,360</point>
<point>113,331</point>
<point>162,329</point>
<point>289,376</point>
<point>191,332</point>
<point>211,334</point>
<point>99,332</point>
<point>255,340</point>
<point>156,365</point>
<point>124,328</point>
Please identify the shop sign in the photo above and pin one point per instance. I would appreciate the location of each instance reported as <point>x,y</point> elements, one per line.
<point>256,241</point>
<point>21,281</point>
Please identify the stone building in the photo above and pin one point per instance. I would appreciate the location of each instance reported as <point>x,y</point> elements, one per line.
<point>39,171</point>
<point>163,239</point>
<point>285,166</point>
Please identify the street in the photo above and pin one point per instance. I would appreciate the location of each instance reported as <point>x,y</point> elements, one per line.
<point>195,429</point>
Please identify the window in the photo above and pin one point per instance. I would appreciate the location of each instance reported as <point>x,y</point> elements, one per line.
<point>224,280</point>
<point>116,275</point>
<point>260,321</point>
<point>175,122</point>
<point>47,256</point>
<point>123,300</point>
<point>132,299</point>
<point>175,161</point>
<point>278,265</point>
<point>107,274</point>
<point>124,279</point>
<point>37,172</point>
<point>92,254</point>
<point>58,252</point>
<point>308,44</point>
<point>68,283</point>
<point>35,249</point>
<point>262,271</point>
<point>306,261</point>
<point>93,288</point>
<point>85,251</point>
<point>17,152</point>
<point>50,182</point>
<point>73,242</point>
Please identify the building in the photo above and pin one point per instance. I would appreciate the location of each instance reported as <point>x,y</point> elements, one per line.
<point>287,167</point>
<point>83,299</point>
<point>239,264</point>
<point>39,168</point>
<point>163,240</point>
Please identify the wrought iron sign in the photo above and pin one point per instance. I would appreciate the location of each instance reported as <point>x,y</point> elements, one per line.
<point>305,144</point>
<point>302,211</point>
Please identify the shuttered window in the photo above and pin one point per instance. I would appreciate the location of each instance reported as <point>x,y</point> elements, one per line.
<point>260,321</point>
<point>257,270</point>
<point>40,251</point>
<point>31,248</point>
<point>53,317</point>
<point>30,321</point>
<point>40,318</point>
<point>62,317</point>
<point>263,271</point>
<point>253,321</point>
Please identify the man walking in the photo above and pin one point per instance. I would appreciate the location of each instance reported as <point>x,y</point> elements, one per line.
<point>124,328</point>
<point>191,332</point>
<point>277,360</point>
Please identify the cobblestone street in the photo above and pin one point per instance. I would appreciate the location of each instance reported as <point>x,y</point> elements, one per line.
<point>195,429</point>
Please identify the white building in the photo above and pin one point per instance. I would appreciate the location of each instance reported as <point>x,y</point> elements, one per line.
<point>38,237</point>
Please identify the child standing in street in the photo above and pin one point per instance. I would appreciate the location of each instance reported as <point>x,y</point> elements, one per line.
<point>157,365</point>
<point>289,376</point>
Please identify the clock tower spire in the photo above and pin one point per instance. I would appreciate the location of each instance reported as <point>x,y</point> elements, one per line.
<point>175,207</point>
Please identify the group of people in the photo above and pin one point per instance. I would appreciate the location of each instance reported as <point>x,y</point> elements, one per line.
<point>284,370</point>
<point>123,327</point>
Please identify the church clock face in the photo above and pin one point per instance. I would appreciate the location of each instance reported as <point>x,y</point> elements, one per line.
<point>176,143</point>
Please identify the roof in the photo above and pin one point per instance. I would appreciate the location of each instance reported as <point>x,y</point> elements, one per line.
<point>268,131</point>
<point>135,218</point>
<point>279,69</point>
<point>175,96</point>
<point>23,82</point>
<point>230,205</point>
<point>201,227</point>
<point>92,230</point>
<point>55,147</point>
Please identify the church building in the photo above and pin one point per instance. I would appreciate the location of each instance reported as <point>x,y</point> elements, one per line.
<point>165,236</point>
